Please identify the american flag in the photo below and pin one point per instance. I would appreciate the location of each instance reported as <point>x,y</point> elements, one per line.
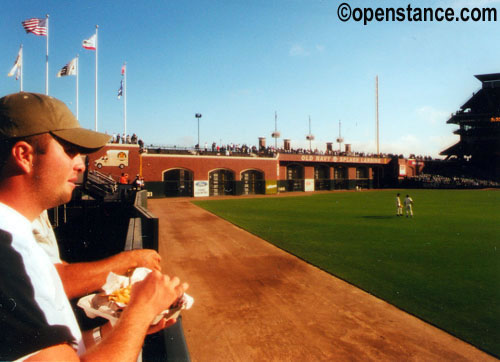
<point>36,26</point>
<point>120,91</point>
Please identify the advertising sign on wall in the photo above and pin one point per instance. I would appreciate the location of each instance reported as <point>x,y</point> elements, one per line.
<point>308,184</point>
<point>113,158</point>
<point>271,187</point>
<point>201,189</point>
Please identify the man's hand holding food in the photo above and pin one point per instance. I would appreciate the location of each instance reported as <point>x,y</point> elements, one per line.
<point>156,293</point>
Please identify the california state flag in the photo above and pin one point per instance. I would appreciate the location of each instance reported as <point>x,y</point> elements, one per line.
<point>17,64</point>
<point>90,43</point>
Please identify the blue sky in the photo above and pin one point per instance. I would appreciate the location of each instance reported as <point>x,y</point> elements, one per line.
<point>237,62</point>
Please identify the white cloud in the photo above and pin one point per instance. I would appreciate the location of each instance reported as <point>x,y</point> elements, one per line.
<point>431,115</point>
<point>241,92</point>
<point>418,145</point>
<point>186,141</point>
<point>298,50</point>
<point>443,142</point>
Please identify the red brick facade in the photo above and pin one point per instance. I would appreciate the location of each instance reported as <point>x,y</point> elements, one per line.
<point>275,172</point>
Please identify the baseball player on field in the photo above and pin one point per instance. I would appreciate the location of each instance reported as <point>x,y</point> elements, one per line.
<point>399,206</point>
<point>408,205</point>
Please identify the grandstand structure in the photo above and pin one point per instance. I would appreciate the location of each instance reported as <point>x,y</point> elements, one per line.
<point>477,153</point>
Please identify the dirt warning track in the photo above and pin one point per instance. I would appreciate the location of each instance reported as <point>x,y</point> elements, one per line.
<point>255,302</point>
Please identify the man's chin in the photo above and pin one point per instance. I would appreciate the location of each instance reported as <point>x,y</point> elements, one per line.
<point>66,197</point>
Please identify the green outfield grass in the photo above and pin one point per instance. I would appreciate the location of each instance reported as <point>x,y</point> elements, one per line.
<point>442,266</point>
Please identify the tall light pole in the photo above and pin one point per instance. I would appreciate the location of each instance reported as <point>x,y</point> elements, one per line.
<point>198,116</point>
<point>310,136</point>
<point>340,139</point>
<point>275,134</point>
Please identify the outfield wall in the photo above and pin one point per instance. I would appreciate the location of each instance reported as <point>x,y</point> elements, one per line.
<point>185,174</point>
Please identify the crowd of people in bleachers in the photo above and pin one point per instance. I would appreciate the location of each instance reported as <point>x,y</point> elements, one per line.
<point>306,151</point>
<point>127,139</point>
<point>245,150</point>
<point>232,149</point>
<point>438,181</point>
<point>420,158</point>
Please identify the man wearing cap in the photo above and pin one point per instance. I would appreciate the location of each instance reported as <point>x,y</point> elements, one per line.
<point>40,146</point>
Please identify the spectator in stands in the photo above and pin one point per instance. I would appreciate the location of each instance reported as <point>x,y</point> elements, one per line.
<point>122,187</point>
<point>40,146</point>
<point>399,207</point>
<point>408,206</point>
<point>124,178</point>
<point>137,183</point>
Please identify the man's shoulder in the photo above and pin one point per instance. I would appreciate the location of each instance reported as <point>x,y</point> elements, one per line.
<point>24,327</point>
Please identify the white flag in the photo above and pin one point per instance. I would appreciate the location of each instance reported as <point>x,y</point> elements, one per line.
<point>68,69</point>
<point>90,43</point>
<point>17,64</point>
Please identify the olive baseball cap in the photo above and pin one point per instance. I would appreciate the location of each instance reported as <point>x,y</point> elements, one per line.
<point>26,114</point>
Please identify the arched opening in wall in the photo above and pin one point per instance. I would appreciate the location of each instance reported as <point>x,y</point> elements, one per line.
<point>178,182</point>
<point>295,177</point>
<point>362,177</point>
<point>252,182</point>
<point>221,182</point>
<point>321,177</point>
<point>340,177</point>
<point>378,177</point>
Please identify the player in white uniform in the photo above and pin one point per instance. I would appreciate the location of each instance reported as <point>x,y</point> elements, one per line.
<point>399,206</point>
<point>408,206</point>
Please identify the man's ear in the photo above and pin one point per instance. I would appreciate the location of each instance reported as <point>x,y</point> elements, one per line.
<point>22,155</point>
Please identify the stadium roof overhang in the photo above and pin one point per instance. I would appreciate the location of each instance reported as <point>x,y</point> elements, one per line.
<point>488,77</point>
<point>456,149</point>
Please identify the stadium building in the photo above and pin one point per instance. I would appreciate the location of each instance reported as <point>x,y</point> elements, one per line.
<point>478,151</point>
<point>175,172</point>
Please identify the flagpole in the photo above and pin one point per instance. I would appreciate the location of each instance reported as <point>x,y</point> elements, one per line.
<point>96,51</point>
<point>376,113</point>
<point>47,60</point>
<point>125,98</point>
<point>77,72</point>
<point>22,66</point>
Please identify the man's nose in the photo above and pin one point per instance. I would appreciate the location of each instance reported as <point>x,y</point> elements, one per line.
<point>79,163</point>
